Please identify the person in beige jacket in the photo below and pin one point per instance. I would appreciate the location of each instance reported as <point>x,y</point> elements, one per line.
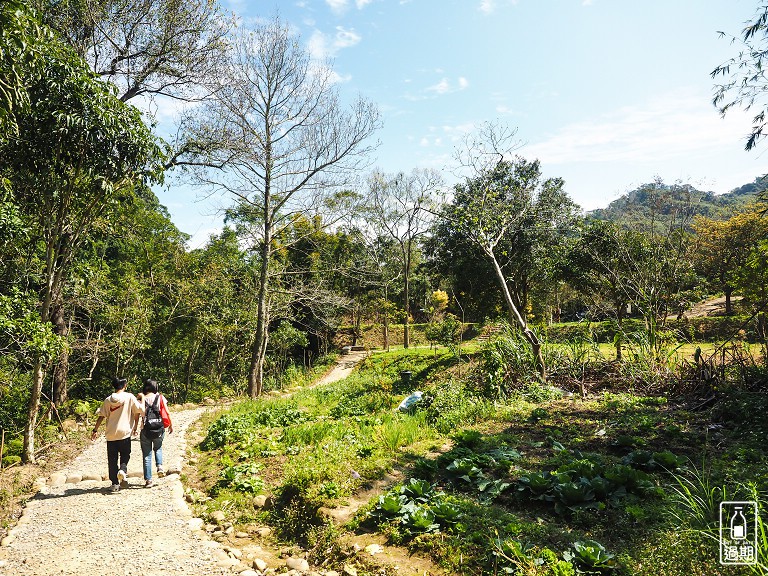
<point>120,410</point>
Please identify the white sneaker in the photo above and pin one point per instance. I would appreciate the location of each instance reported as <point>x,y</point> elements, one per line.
<point>160,472</point>
<point>149,483</point>
<point>122,478</point>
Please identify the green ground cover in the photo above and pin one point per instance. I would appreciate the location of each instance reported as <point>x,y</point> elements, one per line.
<point>515,479</point>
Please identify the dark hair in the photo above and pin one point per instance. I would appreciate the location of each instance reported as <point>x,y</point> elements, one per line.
<point>150,386</point>
<point>119,383</point>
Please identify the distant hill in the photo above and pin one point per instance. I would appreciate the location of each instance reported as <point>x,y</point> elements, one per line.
<point>658,201</point>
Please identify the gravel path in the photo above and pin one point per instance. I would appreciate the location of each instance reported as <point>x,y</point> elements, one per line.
<point>75,527</point>
<point>79,528</point>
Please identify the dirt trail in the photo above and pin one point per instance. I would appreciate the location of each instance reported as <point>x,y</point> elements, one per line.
<point>343,368</point>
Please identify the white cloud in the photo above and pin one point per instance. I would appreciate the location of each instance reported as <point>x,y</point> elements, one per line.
<point>441,87</point>
<point>676,125</point>
<point>322,46</point>
<point>445,86</point>
<point>340,6</point>
<point>489,6</point>
<point>337,78</point>
<point>586,3</point>
<point>337,5</point>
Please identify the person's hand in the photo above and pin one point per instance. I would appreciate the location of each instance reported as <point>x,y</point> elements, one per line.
<point>140,396</point>
<point>134,433</point>
<point>94,434</point>
<point>170,429</point>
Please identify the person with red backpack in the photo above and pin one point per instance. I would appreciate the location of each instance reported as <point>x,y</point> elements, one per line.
<point>156,420</point>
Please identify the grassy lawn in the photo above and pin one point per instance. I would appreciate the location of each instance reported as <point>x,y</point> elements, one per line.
<point>529,482</point>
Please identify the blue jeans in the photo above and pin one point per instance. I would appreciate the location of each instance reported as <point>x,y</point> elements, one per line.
<point>148,445</point>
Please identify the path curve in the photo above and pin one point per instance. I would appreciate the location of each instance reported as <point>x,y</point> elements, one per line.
<point>74,526</point>
<point>343,368</point>
<point>81,529</point>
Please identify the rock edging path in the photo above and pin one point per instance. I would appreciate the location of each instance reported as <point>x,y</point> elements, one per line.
<point>74,526</point>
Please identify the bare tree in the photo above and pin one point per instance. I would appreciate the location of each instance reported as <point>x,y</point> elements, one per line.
<point>145,47</point>
<point>402,207</point>
<point>276,137</point>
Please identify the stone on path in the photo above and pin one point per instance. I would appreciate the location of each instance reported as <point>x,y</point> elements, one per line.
<point>299,564</point>
<point>57,479</point>
<point>195,523</point>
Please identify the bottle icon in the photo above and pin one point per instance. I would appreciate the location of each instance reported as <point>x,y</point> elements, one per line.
<point>738,525</point>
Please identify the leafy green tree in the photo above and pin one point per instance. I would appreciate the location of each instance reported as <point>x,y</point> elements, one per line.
<point>512,216</point>
<point>647,264</point>
<point>77,149</point>
<point>751,279</point>
<point>496,210</point>
<point>722,247</point>
<point>284,147</point>
<point>21,50</point>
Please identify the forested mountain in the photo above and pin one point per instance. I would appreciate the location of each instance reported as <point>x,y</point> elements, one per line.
<point>650,201</point>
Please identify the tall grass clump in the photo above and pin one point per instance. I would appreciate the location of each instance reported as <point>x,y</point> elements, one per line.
<point>651,363</point>
<point>506,363</point>
<point>399,430</point>
<point>454,406</point>
<point>695,499</point>
<point>310,433</point>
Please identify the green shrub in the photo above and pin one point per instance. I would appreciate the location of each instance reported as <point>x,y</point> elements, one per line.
<point>506,362</point>
<point>11,461</point>
<point>452,406</point>
<point>14,447</point>
<point>242,478</point>
<point>238,426</point>
<point>295,513</point>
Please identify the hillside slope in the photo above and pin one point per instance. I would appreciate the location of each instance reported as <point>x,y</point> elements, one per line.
<point>658,201</point>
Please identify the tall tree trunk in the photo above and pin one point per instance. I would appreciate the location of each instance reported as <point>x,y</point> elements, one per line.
<point>50,294</point>
<point>60,371</point>
<point>728,303</point>
<point>517,318</point>
<point>407,303</point>
<point>34,403</point>
<point>259,349</point>
<point>621,309</point>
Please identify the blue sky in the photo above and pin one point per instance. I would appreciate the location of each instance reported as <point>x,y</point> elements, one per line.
<point>607,94</point>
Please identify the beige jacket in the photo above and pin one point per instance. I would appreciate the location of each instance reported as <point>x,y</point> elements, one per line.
<point>120,411</point>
